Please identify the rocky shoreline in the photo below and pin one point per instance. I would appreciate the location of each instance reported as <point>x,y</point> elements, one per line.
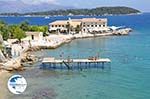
<point>25,57</point>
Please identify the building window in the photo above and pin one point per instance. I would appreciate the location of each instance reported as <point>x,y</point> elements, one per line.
<point>62,25</point>
<point>95,25</point>
<point>103,25</point>
<point>88,25</point>
<point>59,25</point>
<point>55,25</point>
<point>52,26</point>
<point>91,25</point>
<point>83,25</point>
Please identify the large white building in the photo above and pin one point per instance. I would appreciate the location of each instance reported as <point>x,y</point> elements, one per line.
<point>93,24</point>
<point>88,25</point>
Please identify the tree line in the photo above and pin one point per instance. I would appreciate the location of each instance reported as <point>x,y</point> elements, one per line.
<point>95,11</point>
<point>18,31</point>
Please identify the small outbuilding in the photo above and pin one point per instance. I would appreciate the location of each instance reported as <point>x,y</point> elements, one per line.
<point>34,35</point>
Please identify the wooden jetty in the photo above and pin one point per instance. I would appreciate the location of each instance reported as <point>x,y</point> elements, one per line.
<point>72,64</point>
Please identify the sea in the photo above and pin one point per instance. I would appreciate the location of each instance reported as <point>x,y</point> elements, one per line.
<point>128,78</point>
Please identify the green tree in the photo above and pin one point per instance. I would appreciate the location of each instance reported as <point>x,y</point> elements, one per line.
<point>33,28</point>
<point>78,28</point>
<point>68,26</point>
<point>19,33</point>
<point>36,28</point>
<point>44,29</point>
<point>2,22</point>
<point>4,30</point>
<point>11,29</point>
<point>24,26</point>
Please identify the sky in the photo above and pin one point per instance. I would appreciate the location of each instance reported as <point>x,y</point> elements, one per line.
<point>143,5</point>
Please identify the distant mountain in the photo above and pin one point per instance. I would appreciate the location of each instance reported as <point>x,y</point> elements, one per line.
<point>17,6</point>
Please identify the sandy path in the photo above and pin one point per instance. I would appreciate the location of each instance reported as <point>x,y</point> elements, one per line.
<point>4,76</point>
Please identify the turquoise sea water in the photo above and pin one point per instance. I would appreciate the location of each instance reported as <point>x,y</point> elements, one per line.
<point>130,68</point>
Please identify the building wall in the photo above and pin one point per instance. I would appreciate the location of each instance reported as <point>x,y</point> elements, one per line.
<point>93,26</point>
<point>87,25</point>
<point>33,36</point>
<point>57,27</point>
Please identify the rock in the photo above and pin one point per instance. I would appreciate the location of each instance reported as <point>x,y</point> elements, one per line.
<point>13,64</point>
<point>122,31</point>
<point>2,57</point>
<point>28,58</point>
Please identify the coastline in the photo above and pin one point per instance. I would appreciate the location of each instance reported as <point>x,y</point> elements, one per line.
<point>63,39</point>
<point>69,15</point>
<point>51,42</point>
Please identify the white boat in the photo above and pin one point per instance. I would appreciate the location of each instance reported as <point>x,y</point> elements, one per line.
<point>47,17</point>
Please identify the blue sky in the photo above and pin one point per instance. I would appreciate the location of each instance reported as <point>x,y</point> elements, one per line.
<point>142,5</point>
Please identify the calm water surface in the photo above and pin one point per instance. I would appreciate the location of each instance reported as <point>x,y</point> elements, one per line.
<point>127,79</point>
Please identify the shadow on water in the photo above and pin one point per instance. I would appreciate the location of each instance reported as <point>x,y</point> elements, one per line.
<point>39,70</point>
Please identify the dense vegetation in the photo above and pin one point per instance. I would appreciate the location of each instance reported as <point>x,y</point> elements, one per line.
<point>18,31</point>
<point>94,11</point>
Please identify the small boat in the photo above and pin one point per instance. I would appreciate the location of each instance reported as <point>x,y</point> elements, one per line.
<point>47,17</point>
